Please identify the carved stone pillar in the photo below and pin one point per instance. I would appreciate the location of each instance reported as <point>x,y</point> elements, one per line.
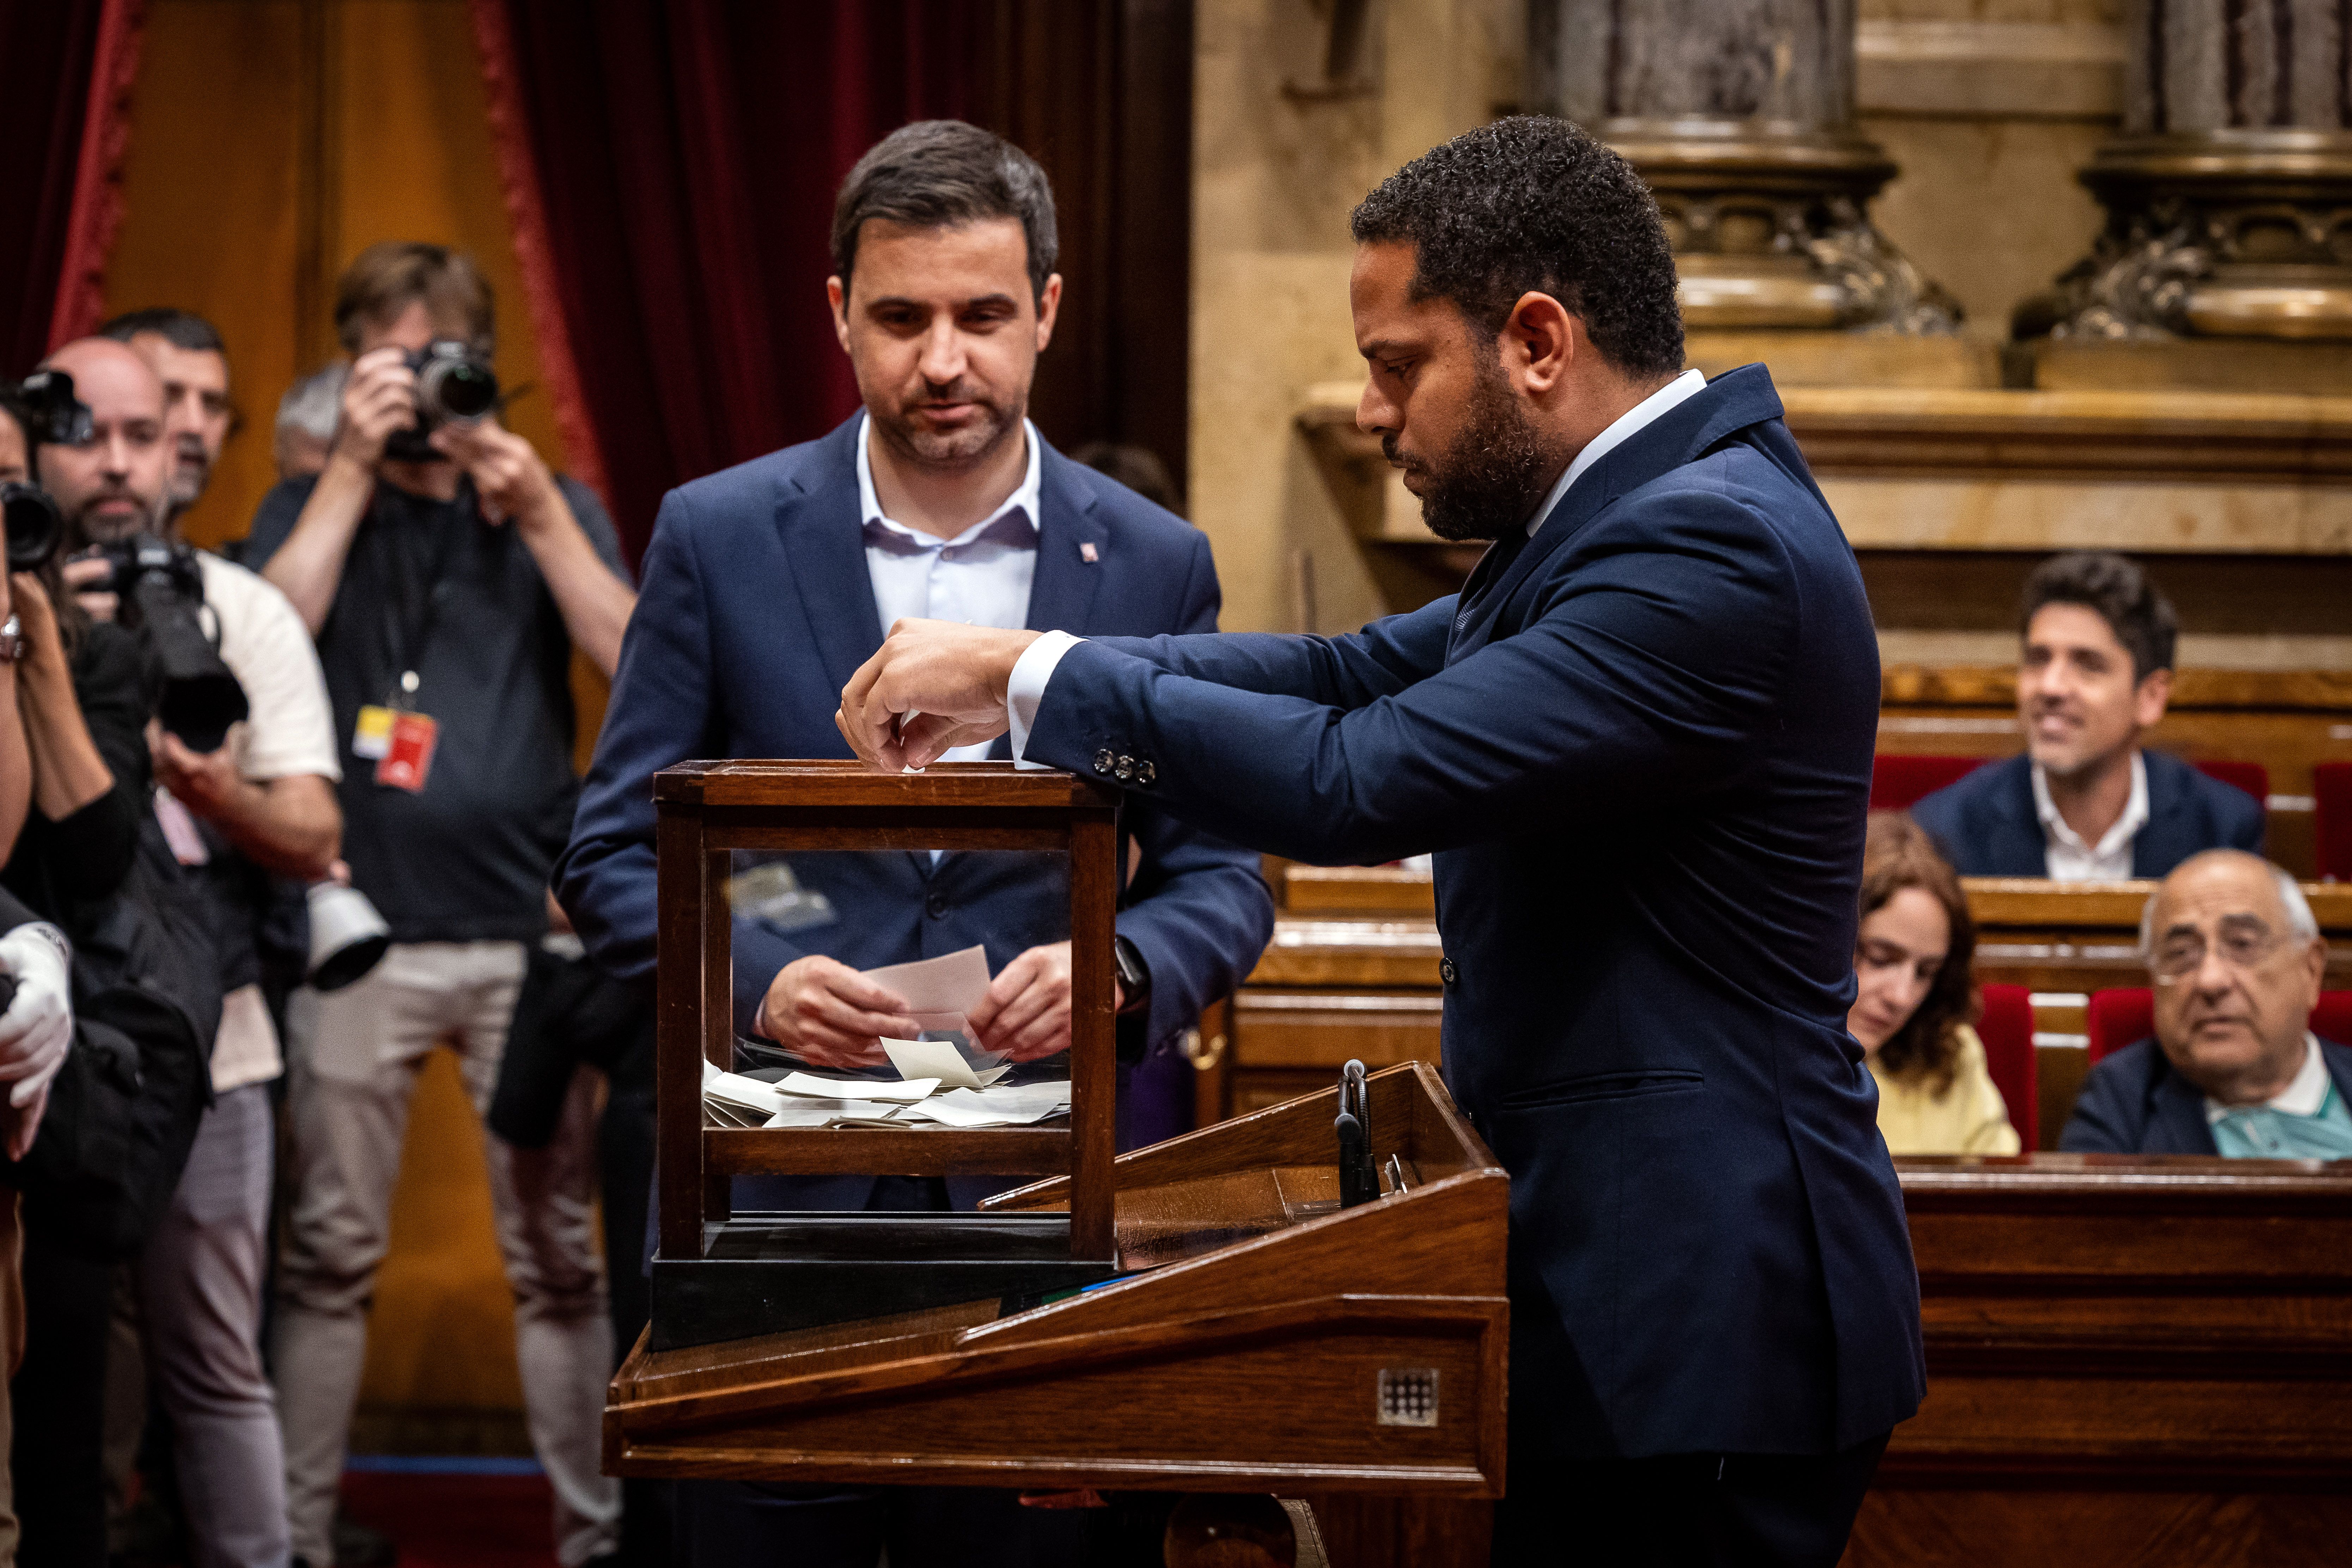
<point>2228,194</point>
<point>1740,115</point>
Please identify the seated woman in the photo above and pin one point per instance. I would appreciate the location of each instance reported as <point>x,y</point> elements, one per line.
<point>1913,1000</point>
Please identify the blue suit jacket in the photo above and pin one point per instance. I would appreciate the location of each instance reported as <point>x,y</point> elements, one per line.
<point>2134,1103</point>
<point>1986,826</point>
<point>1642,751</point>
<point>756,607</point>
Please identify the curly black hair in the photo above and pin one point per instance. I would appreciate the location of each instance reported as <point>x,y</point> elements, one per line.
<point>1533,203</point>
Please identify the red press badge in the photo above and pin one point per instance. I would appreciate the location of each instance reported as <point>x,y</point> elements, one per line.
<point>407,760</point>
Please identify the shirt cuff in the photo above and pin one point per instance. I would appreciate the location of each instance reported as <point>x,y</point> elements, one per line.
<point>1026,690</point>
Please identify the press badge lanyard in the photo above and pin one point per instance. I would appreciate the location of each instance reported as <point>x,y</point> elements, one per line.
<point>398,735</point>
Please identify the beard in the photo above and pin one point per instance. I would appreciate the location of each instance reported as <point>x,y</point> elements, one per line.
<point>988,429</point>
<point>86,527</point>
<point>1491,478</point>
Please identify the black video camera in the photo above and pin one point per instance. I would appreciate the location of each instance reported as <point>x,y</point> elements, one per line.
<point>44,403</point>
<point>160,591</point>
<point>455,386</point>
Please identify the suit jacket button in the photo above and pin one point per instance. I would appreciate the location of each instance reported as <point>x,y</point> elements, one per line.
<point>1102,761</point>
<point>1126,769</point>
<point>1145,773</point>
<point>935,906</point>
<point>1446,970</point>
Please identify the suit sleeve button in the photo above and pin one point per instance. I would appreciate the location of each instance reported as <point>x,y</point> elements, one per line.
<point>1446,970</point>
<point>1103,761</point>
<point>1145,773</point>
<point>1125,770</point>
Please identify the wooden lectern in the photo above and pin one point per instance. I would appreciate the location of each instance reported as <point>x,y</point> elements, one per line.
<point>1247,1331</point>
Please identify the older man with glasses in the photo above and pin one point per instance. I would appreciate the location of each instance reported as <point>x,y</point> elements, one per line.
<point>2235,1069</point>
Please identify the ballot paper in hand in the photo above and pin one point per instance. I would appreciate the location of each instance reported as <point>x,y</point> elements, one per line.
<point>940,1061</point>
<point>953,982</point>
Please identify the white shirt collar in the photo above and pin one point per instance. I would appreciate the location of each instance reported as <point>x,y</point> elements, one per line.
<point>1627,424</point>
<point>2303,1094</point>
<point>869,509</point>
<point>2117,840</point>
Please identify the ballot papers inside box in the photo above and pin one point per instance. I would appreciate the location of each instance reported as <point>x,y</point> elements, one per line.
<point>979,853</point>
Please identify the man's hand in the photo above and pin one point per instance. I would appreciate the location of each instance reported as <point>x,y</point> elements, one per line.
<point>1027,1013</point>
<point>35,1031</point>
<point>933,686</point>
<point>206,782</point>
<point>509,475</point>
<point>823,1011</point>
<point>379,399</point>
<point>99,606</point>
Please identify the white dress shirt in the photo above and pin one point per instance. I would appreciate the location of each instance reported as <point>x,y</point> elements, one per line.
<point>2065,855</point>
<point>2304,1095</point>
<point>1036,668</point>
<point>981,582</point>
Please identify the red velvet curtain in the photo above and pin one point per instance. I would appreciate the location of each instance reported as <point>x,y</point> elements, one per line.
<point>671,166</point>
<point>66,71</point>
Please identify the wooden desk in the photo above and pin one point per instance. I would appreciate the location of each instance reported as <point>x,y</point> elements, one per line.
<point>2135,1362</point>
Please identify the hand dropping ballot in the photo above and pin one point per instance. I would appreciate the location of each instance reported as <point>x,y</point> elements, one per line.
<point>940,993</point>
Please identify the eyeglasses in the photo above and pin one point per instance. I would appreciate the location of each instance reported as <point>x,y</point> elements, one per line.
<point>2245,944</point>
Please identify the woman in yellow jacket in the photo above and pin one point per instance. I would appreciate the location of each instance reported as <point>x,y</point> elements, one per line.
<point>1915,1000</point>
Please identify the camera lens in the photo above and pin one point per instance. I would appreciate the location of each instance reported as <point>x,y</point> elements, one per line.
<point>34,526</point>
<point>469,391</point>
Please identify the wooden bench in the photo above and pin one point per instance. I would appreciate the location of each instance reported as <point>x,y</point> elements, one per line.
<point>1352,972</point>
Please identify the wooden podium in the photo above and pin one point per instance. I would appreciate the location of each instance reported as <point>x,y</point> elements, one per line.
<point>1247,1333</point>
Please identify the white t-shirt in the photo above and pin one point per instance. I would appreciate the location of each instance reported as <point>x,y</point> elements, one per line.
<point>290,731</point>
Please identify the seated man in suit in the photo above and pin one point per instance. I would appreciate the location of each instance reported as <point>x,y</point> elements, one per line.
<point>764,586</point>
<point>2235,1069</point>
<point>2086,803</point>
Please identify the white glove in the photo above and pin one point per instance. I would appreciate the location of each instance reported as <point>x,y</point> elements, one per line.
<point>37,1027</point>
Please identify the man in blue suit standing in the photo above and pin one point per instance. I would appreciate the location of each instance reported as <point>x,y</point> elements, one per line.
<point>764,588</point>
<point>1639,741</point>
<point>2085,802</point>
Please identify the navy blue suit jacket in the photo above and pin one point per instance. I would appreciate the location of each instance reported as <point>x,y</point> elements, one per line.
<point>2134,1103</point>
<point>1985,822</point>
<point>756,607</point>
<point>1642,751</point>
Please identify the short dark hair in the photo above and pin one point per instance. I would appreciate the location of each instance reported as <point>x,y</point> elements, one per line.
<point>182,329</point>
<point>939,174</point>
<point>2119,591</point>
<point>388,276</point>
<point>1530,204</point>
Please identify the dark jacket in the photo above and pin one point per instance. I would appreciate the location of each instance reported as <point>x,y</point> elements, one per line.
<point>756,608</point>
<point>1641,747</point>
<point>1986,825</point>
<point>2134,1103</point>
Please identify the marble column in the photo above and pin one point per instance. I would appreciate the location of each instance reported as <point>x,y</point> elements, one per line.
<point>1740,115</point>
<point>2229,193</point>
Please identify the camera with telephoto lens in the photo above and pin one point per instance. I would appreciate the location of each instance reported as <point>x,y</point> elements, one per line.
<point>455,386</point>
<point>159,593</point>
<point>44,403</point>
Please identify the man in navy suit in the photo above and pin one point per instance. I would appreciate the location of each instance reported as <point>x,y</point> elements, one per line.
<point>2234,1068</point>
<point>764,587</point>
<point>2085,802</point>
<point>1639,741</point>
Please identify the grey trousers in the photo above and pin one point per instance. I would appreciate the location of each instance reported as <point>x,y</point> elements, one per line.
<point>353,1061</point>
<point>199,1284</point>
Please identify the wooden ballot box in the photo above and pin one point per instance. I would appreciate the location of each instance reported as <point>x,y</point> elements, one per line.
<point>1243,1314</point>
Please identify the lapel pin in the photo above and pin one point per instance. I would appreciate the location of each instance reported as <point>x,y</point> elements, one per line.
<point>1086,554</point>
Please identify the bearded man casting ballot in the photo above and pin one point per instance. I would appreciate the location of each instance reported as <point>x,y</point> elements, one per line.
<point>1639,741</point>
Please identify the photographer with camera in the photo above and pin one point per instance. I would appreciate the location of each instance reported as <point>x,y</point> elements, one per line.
<point>449,576</point>
<point>242,747</point>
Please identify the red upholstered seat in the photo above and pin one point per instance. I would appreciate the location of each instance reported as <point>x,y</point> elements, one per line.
<point>2127,1013</point>
<point>2331,784</point>
<point>2007,1030</point>
<point>1897,782</point>
<point>2252,777</point>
